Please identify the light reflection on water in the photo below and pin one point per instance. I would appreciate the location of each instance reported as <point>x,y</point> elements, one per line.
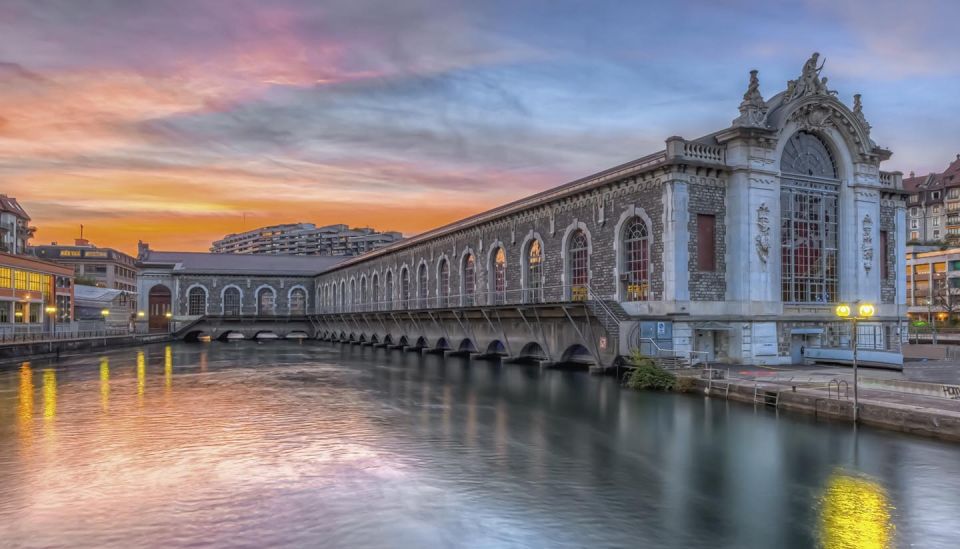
<point>324,446</point>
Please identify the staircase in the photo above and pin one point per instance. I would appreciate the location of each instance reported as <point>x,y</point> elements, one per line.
<point>609,314</point>
<point>765,397</point>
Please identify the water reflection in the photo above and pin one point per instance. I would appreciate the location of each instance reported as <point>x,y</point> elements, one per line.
<point>318,445</point>
<point>855,513</point>
<point>105,383</point>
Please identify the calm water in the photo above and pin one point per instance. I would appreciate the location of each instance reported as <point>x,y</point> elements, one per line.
<point>318,445</point>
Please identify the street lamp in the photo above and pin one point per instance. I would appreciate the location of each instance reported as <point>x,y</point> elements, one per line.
<point>52,311</point>
<point>864,311</point>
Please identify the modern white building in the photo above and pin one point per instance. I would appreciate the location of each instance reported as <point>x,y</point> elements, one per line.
<point>305,239</point>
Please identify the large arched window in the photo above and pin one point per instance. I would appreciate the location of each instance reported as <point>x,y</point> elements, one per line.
<point>422,286</point>
<point>354,296</point>
<point>342,305</point>
<point>469,276</point>
<point>534,280</point>
<point>578,265</point>
<point>298,302</point>
<point>636,260</point>
<point>443,283</point>
<point>231,301</point>
<point>809,210</point>
<point>363,293</point>
<point>375,291</point>
<point>266,301</point>
<point>388,291</point>
<point>197,301</point>
<point>333,296</point>
<point>404,288</point>
<point>498,276</point>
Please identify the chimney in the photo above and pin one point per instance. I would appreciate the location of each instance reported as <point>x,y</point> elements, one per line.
<point>912,174</point>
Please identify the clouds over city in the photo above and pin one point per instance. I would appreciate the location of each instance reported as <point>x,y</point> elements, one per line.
<point>178,120</point>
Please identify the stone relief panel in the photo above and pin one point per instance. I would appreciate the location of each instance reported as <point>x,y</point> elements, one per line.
<point>867,244</point>
<point>762,239</point>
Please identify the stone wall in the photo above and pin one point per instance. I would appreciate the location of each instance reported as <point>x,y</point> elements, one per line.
<point>888,223</point>
<point>248,286</point>
<point>597,212</point>
<point>707,196</point>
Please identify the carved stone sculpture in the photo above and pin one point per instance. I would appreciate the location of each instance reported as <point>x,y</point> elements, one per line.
<point>809,82</point>
<point>753,109</point>
<point>762,239</point>
<point>867,244</point>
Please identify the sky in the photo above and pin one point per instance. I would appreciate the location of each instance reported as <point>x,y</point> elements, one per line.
<point>177,122</point>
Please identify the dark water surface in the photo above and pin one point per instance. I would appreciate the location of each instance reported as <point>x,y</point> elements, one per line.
<point>318,445</point>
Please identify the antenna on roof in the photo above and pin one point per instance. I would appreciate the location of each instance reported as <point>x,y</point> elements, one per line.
<point>81,231</point>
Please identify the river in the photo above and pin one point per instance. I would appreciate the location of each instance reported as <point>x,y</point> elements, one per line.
<point>322,445</point>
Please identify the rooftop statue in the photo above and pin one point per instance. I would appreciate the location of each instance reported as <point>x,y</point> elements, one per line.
<point>810,82</point>
<point>753,109</point>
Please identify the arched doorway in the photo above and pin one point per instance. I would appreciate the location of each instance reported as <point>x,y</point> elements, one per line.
<point>158,307</point>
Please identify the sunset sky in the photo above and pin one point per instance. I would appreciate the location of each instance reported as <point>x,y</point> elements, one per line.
<point>176,122</point>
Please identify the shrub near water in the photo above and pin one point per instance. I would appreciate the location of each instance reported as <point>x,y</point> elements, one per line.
<point>647,375</point>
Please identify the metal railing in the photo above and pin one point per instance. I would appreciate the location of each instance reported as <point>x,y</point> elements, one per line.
<point>45,336</point>
<point>692,357</point>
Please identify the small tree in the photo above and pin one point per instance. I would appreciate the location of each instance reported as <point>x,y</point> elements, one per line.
<point>946,300</point>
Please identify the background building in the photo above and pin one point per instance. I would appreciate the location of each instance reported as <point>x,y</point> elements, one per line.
<point>305,239</point>
<point>933,283</point>
<point>35,296</point>
<point>101,267</point>
<point>15,229</point>
<point>91,302</point>
<point>934,206</point>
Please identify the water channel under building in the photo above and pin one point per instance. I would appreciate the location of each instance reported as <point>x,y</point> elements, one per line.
<point>327,445</point>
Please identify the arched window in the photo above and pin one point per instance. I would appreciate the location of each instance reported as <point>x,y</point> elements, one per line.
<point>196,301</point>
<point>578,265</point>
<point>298,302</point>
<point>405,288</point>
<point>266,301</point>
<point>388,291</point>
<point>636,261</point>
<point>363,293</point>
<point>534,278</point>
<point>422,286</point>
<point>375,293</point>
<point>443,282</point>
<point>353,294</point>
<point>469,279</point>
<point>333,296</point>
<point>498,276</point>
<point>231,301</point>
<point>342,305</point>
<point>809,211</point>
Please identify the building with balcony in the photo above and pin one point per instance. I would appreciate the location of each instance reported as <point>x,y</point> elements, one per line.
<point>305,239</point>
<point>35,296</point>
<point>934,206</point>
<point>933,283</point>
<point>101,267</point>
<point>15,229</point>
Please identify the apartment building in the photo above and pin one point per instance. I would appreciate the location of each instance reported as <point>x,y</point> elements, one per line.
<point>305,239</point>
<point>101,267</point>
<point>933,206</point>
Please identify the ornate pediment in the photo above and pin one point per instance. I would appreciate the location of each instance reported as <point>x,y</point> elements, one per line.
<point>809,82</point>
<point>813,117</point>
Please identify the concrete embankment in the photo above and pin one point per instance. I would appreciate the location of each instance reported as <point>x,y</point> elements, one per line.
<point>907,415</point>
<point>55,348</point>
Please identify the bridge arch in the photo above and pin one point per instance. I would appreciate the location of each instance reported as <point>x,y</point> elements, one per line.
<point>577,354</point>
<point>533,351</point>
<point>197,299</point>
<point>422,343</point>
<point>466,346</point>
<point>193,336</point>
<point>231,300</point>
<point>442,344</point>
<point>496,348</point>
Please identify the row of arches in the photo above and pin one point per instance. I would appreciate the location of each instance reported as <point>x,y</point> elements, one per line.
<point>428,286</point>
<point>231,301</point>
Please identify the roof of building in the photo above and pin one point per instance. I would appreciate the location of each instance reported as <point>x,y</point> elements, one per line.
<point>211,263</point>
<point>948,178</point>
<point>30,262</point>
<point>10,205</point>
<point>93,294</point>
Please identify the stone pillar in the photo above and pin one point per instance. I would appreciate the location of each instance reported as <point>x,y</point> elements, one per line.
<point>676,236</point>
<point>901,251</point>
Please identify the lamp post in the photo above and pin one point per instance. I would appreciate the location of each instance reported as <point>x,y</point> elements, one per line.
<point>864,312</point>
<point>52,311</point>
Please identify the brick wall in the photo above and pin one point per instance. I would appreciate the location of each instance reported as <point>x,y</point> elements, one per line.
<point>708,197</point>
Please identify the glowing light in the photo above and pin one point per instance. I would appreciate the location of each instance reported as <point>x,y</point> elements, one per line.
<point>105,383</point>
<point>141,314</point>
<point>855,514</point>
<point>50,309</point>
<point>141,373</point>
<point>105,312</point>
<point>866,310</point>
<point>49,394</point>
<point>843,310</point>
<point>168,315</point>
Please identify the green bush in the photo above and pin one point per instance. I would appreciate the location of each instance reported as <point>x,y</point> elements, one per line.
<point>684,384</point>
<point>647,375</point>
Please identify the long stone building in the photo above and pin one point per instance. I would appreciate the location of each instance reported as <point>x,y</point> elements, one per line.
<point>735,246</point>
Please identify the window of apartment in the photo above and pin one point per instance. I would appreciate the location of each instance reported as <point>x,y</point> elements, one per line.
<point>914,235</point>
<point>936,209</point>
<point>914,223</point>
<point>914,198</point>
<point>914,212</point>
<point>953,193</point>
<point>936,221</point>
<point>936,234</point>
<point>935,195</point>
<point>706,242</point>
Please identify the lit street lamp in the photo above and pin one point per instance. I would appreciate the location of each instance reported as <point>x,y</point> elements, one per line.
<point>52,311</point>
<point>864,312</point>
